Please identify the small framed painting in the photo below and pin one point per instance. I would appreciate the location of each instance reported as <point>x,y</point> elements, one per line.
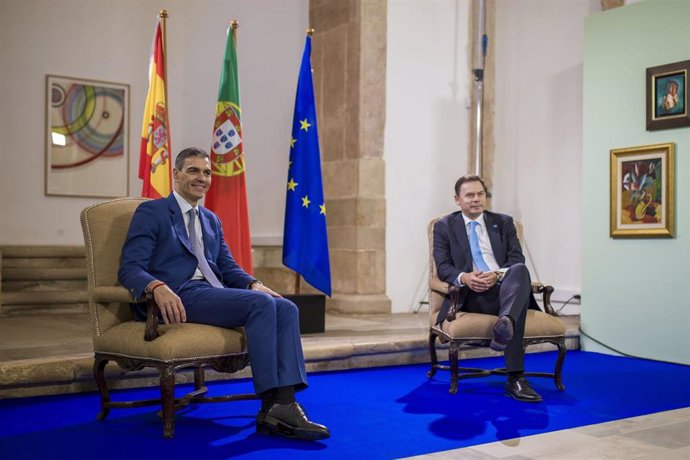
<point>643,191</point>
<point>667,96</point>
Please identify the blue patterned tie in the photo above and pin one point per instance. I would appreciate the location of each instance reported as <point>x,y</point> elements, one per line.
<point>476,250</point>
<point>198,251</point>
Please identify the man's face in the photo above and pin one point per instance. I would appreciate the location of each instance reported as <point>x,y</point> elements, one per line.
<point>471,199</point>
<point>194,179</point>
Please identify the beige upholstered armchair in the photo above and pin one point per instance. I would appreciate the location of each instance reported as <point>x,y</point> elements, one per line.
<point>133,344</point>
<point>476,329</point>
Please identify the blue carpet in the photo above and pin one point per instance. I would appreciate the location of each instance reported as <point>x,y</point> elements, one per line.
<point>379,413</point>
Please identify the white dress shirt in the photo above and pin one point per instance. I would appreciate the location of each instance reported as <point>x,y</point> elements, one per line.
<point>185,207</point>
<point>484,245</point>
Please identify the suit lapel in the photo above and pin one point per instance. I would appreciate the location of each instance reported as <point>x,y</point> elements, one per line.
<point>494,232</point>
<point>206,232</point>
<point>178,222</point>
<point>459,231</point>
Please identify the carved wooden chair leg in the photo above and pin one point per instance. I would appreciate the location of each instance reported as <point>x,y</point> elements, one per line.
<point>558,375</point>
<point>453,350</point>
<point>167,380</point>
<point>432,353</point>
<point>99,374</point>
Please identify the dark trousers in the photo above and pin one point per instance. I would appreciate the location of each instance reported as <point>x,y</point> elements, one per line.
<point>509,298</point>
<point>271,326</point>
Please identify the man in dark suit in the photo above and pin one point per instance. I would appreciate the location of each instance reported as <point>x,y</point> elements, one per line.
<point>175,251</point>
<point>478,251</point>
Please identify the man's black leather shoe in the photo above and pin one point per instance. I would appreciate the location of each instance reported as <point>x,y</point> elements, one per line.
<point>503,333</point>
<point>519,389</point>
<point>290,421</point>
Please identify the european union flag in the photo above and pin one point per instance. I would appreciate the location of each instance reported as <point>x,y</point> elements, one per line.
<point>305,238</point>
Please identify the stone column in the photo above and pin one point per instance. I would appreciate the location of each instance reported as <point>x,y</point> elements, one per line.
<point>349,61</point>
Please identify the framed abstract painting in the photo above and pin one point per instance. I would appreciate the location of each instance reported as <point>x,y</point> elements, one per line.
<point>643,191</point>
<point>667,96</point>
<point>87,135</point>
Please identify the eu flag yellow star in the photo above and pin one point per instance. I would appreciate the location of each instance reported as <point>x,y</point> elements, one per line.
<point>305,201</point>
<point>292,142</point>
<point>322,207</point>
<point>292,184</point>
<point>305,125</point>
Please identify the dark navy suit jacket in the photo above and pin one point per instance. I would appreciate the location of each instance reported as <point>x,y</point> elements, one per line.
<point>453,256</point>
<point>157,247</point>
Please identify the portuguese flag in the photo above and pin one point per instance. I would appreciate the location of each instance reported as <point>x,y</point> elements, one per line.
<point>227,196</point>
<point>154,152</point>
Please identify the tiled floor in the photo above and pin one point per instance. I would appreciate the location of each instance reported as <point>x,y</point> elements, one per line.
<point>661,436</point>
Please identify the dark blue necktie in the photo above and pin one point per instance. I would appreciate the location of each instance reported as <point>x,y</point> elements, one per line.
<point>198,251</point>
<point>479,261</point>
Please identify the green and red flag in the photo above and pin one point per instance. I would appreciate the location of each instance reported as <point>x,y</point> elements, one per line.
<point>154,152</point>
<point>227,196</point>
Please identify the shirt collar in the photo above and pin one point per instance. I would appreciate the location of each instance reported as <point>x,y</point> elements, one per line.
<point>479,220</point>
<point>182,203</point>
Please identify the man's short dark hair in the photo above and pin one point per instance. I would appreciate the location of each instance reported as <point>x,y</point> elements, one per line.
<point>187,153</point>
<point>469,178</point>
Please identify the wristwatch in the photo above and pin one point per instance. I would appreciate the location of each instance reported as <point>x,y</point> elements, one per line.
<point>253,283</point>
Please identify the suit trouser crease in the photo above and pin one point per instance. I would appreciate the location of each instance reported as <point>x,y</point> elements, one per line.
<point>271,327</point>
<point>510,298</point>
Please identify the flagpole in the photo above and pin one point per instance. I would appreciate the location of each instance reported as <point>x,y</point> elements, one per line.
<point>163,15</point>
<point>234,25</point>
<point>298,277</point>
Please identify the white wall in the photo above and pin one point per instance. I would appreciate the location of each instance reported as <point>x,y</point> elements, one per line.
<point>111,40</point>
<point>426,138</point>
<point>537,173</point>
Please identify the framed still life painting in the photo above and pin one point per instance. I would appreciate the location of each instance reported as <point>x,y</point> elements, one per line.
<point>667,96</point>
<point>87,132</point>
<point>643,191</point>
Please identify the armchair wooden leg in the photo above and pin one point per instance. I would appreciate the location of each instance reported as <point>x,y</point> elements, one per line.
<point>559,365</point>
<point>453,351</point>
<point>199,378</point>
<point>99,374</point>
<point>167,380</point>
<point>432,354</point>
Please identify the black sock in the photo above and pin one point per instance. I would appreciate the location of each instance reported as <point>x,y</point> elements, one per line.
<point>267,399</point>
<point>515,375</point>
<point>280,395</point>
<point>285,395</point>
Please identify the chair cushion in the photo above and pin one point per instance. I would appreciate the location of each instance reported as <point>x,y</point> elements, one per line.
<point>480,326</point>
<point>176,342</point>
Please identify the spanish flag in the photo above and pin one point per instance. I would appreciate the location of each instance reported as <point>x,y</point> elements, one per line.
<point>227,196</point>
<point>154,153</point>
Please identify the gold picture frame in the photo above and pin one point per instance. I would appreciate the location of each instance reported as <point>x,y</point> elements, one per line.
<point>87,138</point>
<point>643,191</point>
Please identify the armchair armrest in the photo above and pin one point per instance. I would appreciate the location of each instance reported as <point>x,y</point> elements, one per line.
<point>122,295</point>
<point>545,290</point>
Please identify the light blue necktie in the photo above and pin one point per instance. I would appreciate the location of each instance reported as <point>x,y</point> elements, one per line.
<point>198,251</point>
<point>476,250</point>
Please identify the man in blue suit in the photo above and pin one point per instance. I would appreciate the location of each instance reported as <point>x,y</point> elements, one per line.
<point>478,251</point>
<point>175,251</point>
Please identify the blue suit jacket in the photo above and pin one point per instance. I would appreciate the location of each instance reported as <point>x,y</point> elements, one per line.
<point>453,255</point>
<point>157,247</point>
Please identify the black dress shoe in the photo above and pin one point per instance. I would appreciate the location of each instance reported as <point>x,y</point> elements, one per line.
<point>290,421</point>
<point>503,333</point>
<point>519,389</point>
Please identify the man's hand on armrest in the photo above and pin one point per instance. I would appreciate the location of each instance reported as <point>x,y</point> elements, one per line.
<point>169,304</point>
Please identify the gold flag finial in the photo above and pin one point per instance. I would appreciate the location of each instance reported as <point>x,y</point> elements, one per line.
<point>235,24</point>
<point>163,14</point>
<point>310,31</point>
